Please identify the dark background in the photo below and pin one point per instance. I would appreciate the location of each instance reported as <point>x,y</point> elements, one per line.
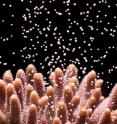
<point>90,42</point>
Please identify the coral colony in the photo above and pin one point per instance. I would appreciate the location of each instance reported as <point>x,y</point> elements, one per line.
<point>54,33</point>
<point>25,99</point>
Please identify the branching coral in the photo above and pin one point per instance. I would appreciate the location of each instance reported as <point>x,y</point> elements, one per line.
<point>26,100</point>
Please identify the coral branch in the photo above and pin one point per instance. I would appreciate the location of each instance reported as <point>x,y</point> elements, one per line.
<point>62,112</point>
<point>39,84</point>
<point>2,93</point>
<point>8,77</point>
<point>32,115</point>
<point>30,71</point>
<point>15,108</point>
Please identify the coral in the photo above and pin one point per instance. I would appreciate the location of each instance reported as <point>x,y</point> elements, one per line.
<point>26,100</point>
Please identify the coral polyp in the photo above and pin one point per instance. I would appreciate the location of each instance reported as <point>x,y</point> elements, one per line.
<point>26,99</point>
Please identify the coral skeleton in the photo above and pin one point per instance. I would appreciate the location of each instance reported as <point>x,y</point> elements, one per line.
<point>26,100</point>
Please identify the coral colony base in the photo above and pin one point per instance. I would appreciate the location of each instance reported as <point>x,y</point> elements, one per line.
<point>25,99</point>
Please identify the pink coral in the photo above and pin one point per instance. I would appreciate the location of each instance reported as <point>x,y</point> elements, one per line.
<point>26,100</point>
